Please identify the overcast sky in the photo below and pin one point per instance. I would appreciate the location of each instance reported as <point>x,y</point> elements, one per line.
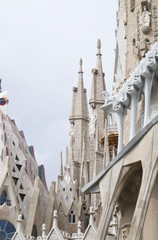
<point>41,42</point>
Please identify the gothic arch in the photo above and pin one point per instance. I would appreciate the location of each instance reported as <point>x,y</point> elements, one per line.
<point>124,180</point>
<point>128,198</point>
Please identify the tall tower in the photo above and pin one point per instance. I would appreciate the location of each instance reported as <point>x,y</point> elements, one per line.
<point>97,87</point>
<point>79,129</point>
<point>97,122</point>
<point>70,200</point>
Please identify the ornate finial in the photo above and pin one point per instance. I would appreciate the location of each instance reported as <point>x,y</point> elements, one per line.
<point>55,219</point>
<point>80,70</point>
<point>81,62</point>
<point>91,212</point>
<point>79,226</point>
<point>43,230</point>
<point>99,44</point>
<point>99,47</point>
<point>61,164</point>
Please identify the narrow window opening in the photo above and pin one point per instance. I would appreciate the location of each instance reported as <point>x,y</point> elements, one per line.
<point>15,180</point>
<point>72,217</point>
<point>17,158</point>
<point>22,196</point>
<point>19,167</point>
<point>21,186</point>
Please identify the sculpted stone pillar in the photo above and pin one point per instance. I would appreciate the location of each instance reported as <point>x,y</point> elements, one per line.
<point>119,114</point>
<point>117,108</point>
<point>148,73</point>
<point>134,93</point>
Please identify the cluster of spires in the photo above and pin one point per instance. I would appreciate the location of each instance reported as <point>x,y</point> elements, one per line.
<point>81,111</point>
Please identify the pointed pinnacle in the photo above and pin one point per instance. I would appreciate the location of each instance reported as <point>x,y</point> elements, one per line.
<point>67,156</point>
<point>61,164</point>
<point>98,44</point>
<point>80,69</point>
<point>99,47</point>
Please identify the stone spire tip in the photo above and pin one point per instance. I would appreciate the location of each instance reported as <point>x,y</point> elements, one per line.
<point>61,164</point>
<point>99,44</point>
<point>99,47</point>
<point>80,63</point>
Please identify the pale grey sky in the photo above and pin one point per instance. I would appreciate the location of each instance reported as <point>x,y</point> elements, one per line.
<point>40,46</point>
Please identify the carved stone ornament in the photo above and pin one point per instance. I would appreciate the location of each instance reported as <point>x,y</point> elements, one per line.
<point>108,99</point>
<point>145,20</point>
<point>94,71</point>
<point>142,49</point>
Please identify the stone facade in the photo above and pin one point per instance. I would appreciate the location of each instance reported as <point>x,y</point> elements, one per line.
<point>111,162</point>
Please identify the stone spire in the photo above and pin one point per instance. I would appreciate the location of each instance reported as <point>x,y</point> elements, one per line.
<point>79,106</point>
<point>61,164</point>
<point>81,101</point>
<point>67,156</point>
<point>79,119</point>
<point>98,83</point>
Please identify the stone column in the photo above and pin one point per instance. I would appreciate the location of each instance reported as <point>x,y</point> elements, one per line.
<point>148,73</point>
<point>119,114</point>
<point>134,93</point>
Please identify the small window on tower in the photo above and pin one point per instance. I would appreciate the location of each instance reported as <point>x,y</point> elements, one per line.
<point>84,208</point>
<point>17,158</point>
<point>72,217</point>
<point>21,186</point>
<point>15,180</point>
